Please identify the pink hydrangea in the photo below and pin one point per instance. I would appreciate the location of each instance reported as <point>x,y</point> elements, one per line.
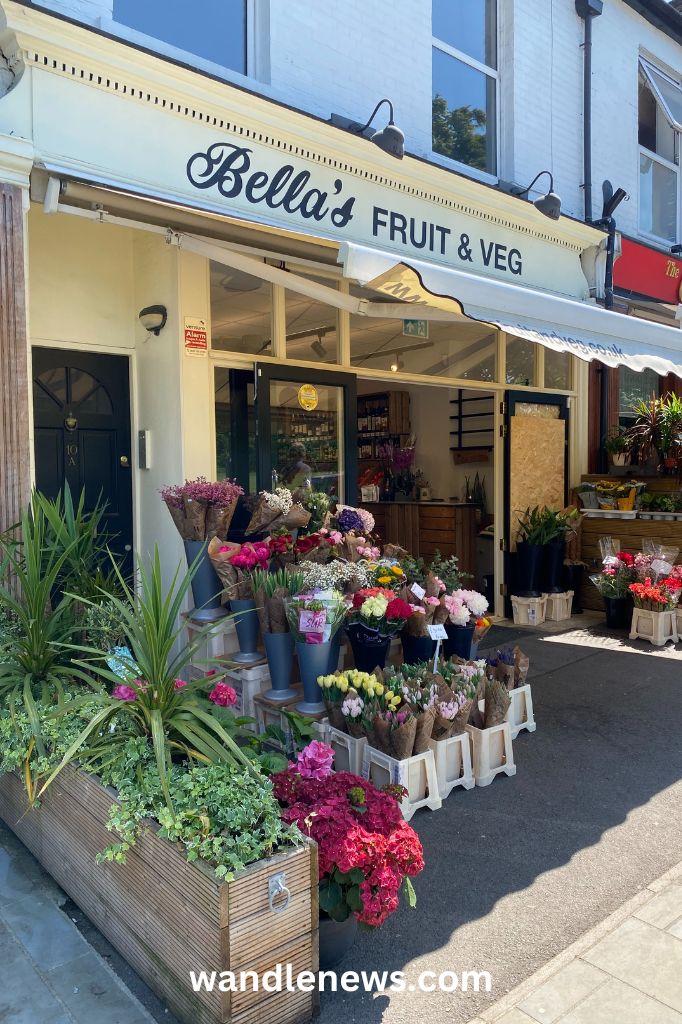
<point>179,683</point>
<point>315,761</point>
<point>223,695</point>
<point>122,692</point>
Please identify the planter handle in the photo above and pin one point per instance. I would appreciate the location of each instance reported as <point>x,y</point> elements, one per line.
<point>276,888</point>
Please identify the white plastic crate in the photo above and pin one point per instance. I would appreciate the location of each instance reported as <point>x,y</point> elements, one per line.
<point>248,682</point>
<point>417,774</point>
<point>657,627</point>
<point>559,606</point>
<point>529,611</point>
<point>348,751</point>
<point>452,757</point>
<point>520,714</point>
<point>492,752</point>
<point>220,642</point>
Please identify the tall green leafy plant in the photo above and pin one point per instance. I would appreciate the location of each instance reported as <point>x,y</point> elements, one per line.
<point>176,719</point>
<point>34,660</point>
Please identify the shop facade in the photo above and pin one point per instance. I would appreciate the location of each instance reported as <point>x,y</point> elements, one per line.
<point>315,291</point>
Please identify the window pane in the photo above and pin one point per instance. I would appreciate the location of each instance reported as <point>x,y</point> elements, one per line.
<point>311,327</point>
<point>469,26</point>
<point>634,387</point>
<point>557,369</point>
<point>670,94</point>
<point>240,311</point>
<point>520,361</point>
<point>235,428</point>
<point>657,199</point>
<point>463,113</point>
<point>466,350</point>
<point>212,29</point>
<point>655,132</point>
<point>307,445</point>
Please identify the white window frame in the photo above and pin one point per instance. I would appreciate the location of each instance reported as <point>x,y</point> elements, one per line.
<point>439,44</point>
<point>645,69</point>
<point>257,45</point>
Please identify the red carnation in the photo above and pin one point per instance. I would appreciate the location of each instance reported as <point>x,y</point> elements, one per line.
<point>398,609</point>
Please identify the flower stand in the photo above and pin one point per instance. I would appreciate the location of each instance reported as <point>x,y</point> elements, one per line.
<point>269,712</point>
<point>348,751</point>
<point>559,606</point>
<point>529,611</point>
<point>492,752</point>
<point>453,763</point>
<point>417,774</point>
<point>520,713</point>
<point>657,627</point>
<point>248,682</point>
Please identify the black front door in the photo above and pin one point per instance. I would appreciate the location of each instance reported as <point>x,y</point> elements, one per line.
<point>81,412</point>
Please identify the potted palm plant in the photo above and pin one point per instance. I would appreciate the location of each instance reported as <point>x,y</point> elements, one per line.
<point>645,434</point>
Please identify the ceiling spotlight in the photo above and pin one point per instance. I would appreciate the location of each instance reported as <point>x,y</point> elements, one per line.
<point>397,364</point>
<point>390,139</point>
<point>154,318</point>
<point>318,348</point>
<point>549,204</point>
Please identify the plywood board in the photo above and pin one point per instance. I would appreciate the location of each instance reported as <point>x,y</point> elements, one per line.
<point>537,465</point>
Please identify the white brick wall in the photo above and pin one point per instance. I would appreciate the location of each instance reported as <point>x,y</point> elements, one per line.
<point>344,55</point>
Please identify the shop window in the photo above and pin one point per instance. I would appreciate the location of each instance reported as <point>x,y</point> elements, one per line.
<point>235,427</point>
<point>464,350</point>
<point>659,124</point>
<point>241,312</point>
<point>214,30</point>
<point>312,327</point>
<point>634,387</point>
<point>464,94</point>
<point>521,361</point>
<point>557,369</point>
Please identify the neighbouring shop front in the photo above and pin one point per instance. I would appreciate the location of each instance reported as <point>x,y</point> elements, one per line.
<point>384,330</point>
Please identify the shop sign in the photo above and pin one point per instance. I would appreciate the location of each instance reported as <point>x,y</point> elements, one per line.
<point>196,336</point>
<point>308,397</point>
<point>415,328</point>
<point>648,272</point>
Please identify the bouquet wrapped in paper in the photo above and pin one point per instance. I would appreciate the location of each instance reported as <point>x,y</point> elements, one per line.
<point>343,694</point>
<point>233,564</point>
<point>202,510</point>
<point>271,590</point>
<point>315,617</point>
<point>501,666</point>
<point>497,701</point>
<point>276,510</point>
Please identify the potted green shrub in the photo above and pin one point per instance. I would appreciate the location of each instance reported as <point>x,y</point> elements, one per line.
<point>618,446</point>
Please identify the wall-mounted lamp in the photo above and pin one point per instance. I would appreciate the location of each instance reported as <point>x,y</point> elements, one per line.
<point>154,318</point>
<point>612,201</point>
<point>390,138</point>
<point>549,204</point>
<point>397,364</point>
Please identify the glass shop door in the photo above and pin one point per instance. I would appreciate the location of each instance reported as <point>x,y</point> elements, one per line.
<point>306,426</point>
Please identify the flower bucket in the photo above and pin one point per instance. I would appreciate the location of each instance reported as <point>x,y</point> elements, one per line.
<point>417,648</point>
<point>334,652</point>
<point>313,661</point>
<point>618,612</point>
<point>246,624</point>
<point>370,648</point>
<point>459,641</point>
<point>528,569</point>
<point>207,590</point>
<point>279,648</point>
<point>553,563</point>
<point>336,938</point>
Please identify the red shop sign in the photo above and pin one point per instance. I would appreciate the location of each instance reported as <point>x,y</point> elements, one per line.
<point>648,272</point>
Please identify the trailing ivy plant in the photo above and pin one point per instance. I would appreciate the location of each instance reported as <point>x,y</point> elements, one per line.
<point>175,718</point>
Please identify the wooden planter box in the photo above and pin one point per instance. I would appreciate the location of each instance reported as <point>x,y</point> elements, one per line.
<point>168,917</point>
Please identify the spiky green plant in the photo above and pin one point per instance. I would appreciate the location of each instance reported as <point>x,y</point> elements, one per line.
<point>178,721</point>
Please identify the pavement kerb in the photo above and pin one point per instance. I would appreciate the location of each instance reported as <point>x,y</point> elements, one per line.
<point>576,949</point>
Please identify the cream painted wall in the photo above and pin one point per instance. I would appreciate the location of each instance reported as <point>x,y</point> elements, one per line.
<point>197,371</point>
<point>81,282</point>
<point>158,400</point>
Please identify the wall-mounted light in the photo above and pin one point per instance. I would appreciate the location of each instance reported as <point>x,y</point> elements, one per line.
<point>397,364</point>
<point>549,204</point>
<point>390,138</point>
<point>154,318</point>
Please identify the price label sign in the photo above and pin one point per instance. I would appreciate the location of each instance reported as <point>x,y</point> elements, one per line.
<point>437,632</point>
<point>418,591</point>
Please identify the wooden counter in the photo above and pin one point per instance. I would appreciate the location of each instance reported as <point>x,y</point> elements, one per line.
<point>422,527</point>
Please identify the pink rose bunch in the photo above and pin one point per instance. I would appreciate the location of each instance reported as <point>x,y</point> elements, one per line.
<point>223,695</point>
<point>251,556</point>
<point>124,693</point>
<point>355,826</point>
<point>180,684</point>
<point>315,761</point>
<point>457,611</point>
<point>368,552</point>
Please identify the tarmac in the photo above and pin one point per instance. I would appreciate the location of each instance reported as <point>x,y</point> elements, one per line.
<point>564,882</point>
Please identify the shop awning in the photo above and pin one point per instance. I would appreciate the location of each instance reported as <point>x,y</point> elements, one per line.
<point>581,328</point>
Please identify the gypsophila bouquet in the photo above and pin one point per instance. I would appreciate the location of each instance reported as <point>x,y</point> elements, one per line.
<point>279,500</point>
<point>334,575</point>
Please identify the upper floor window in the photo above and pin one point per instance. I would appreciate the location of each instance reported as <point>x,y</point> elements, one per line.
<point>660,122</point>
<point>214,30</point>
<point>464,108</point>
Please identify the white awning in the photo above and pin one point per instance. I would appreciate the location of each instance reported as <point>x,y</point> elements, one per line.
<point>565,325</point>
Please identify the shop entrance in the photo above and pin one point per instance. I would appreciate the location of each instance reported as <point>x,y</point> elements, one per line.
<point>81,413</point>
